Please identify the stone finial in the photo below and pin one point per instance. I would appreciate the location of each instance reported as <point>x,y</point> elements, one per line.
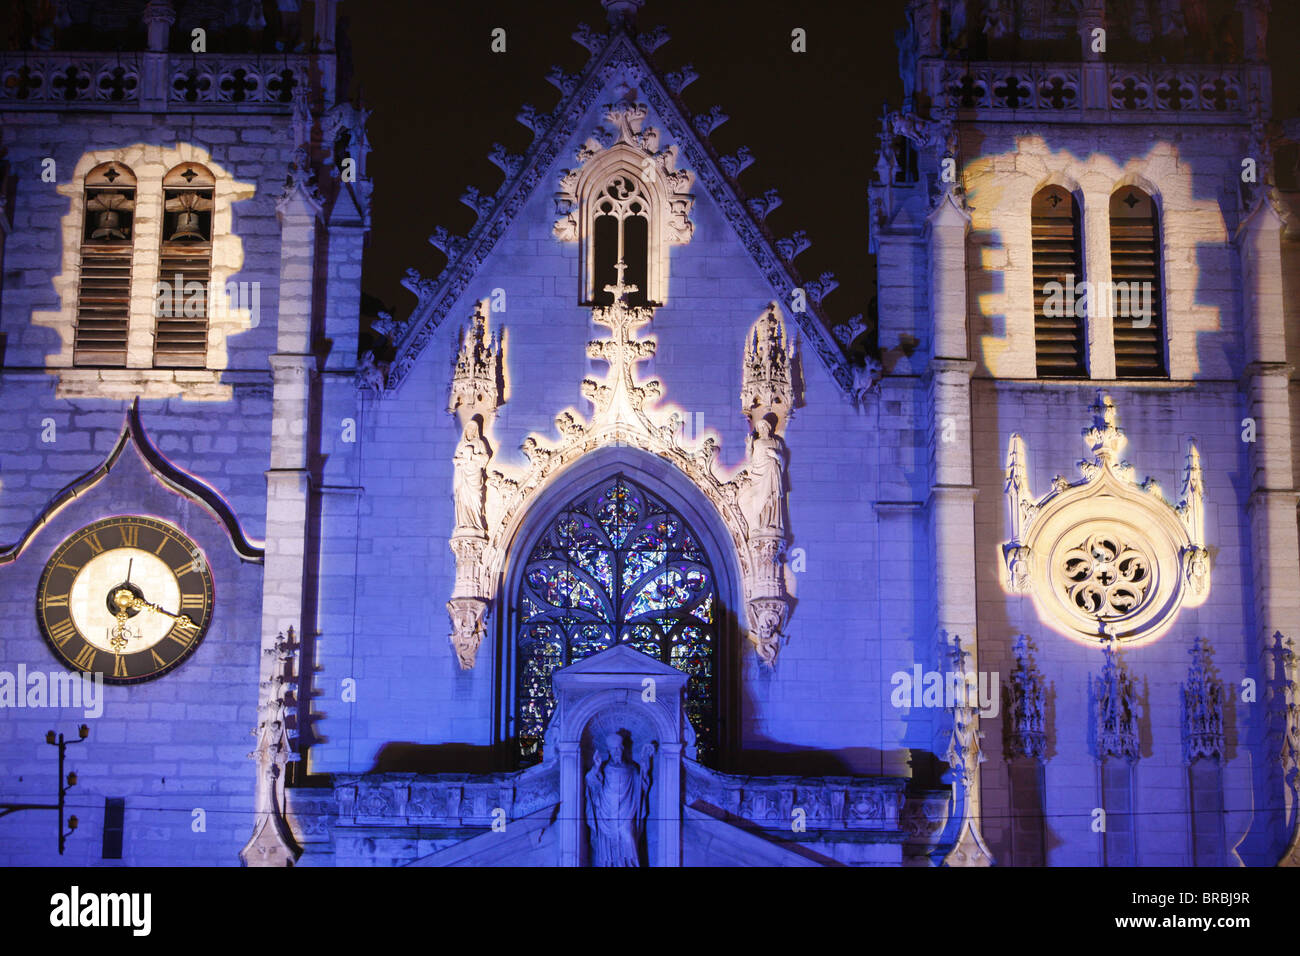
<point>159,15</point>
<point>476,381</point>
<point>1202,698</point>
<point>766,386</point>
<point>1026,731</point>
<point>1105,439</point>
<point>1116,708</point>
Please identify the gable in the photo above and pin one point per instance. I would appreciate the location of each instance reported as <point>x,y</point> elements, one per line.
<point>620,59</point>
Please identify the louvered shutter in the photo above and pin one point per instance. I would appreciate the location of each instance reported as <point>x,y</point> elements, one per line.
<point>185,264</point>
<point>104,284</point>
<point>1135,259</point>
<point>1058,255</point>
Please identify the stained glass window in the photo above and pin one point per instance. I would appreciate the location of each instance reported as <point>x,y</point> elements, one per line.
<point>617,564</point>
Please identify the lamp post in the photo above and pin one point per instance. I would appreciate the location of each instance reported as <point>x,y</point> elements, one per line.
<point>66,783</point>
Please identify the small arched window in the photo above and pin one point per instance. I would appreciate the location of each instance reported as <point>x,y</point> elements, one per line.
<point>1136,294</point>
<point>1059,339</point>
<point>616,566</point>
<point>104,285</point>
<point>183,303</point>
<point>620,233</point>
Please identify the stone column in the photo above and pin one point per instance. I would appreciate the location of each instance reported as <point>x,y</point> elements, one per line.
<point>571,801</point>
<point>952,492</point>
<point>1275,552</point>
<point>1099,324</point>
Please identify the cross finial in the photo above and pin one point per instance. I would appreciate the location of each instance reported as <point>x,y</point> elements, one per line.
<point>620,290</point>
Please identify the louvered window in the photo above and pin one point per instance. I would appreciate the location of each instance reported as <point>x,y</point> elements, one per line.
<point>1136,294</point>
<point>183,303</point>
<point>104,289</point>
<point>1058,268</point>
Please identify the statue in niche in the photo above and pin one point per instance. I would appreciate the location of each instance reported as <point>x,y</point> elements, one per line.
<point>616,803</point>
<point>762,495</point>
<point>471,460</point>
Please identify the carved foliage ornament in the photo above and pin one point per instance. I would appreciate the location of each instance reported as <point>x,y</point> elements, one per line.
<point>751,504</point>
<point>1106,557</point>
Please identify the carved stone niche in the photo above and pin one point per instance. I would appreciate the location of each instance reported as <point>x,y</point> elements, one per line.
<point>624,693</point>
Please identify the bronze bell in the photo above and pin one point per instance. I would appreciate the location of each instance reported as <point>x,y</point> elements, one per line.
<point>187,226</point>
<point>108,225</point>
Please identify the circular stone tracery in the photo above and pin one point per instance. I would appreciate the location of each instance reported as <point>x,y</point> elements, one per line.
<point>1105,577</point>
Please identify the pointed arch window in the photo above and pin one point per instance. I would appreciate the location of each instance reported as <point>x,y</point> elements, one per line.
<point>616,565</point>
<point>104,282</point>
<point>1136,296</point>
<point>1059,339</point>
<point>185,268</point>
<point>620,232</point>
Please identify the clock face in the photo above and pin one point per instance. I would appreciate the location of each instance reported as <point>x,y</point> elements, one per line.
<point>129,597</point>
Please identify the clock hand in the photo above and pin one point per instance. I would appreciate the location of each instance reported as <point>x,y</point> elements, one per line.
<point>140,604</point>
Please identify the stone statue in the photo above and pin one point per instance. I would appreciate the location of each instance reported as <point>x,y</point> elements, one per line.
<point>763,494</point>
<point>616,804</point>
<point>471,460</point>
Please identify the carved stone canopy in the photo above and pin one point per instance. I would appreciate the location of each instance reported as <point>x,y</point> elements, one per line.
<point>1106,557</point>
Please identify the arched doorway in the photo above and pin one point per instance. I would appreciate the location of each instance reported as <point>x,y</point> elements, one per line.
<point>616,564</point>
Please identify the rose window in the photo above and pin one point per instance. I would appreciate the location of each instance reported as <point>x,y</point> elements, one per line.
<point>1104,577</point>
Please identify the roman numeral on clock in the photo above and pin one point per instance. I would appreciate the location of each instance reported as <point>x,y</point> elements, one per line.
<point>189,568</point>
<point>93,542</point>
<point>56,600</point>
<point>181,636</point>
<point>192,602</point>
<point>60,633</point>
<point>130,535</point>
<point>156,659</point>
<point>119,666</point>
<point>85,660</point>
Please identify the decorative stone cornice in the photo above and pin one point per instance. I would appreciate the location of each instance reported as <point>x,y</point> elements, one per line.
<point>1106,557</point>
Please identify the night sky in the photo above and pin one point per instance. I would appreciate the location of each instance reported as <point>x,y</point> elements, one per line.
<point>441,98</point>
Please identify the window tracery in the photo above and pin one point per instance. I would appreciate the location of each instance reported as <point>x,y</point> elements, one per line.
<point>616,566</point>
<point>625,202</point>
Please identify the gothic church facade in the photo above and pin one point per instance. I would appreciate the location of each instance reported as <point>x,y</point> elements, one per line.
<point>618,551</point>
